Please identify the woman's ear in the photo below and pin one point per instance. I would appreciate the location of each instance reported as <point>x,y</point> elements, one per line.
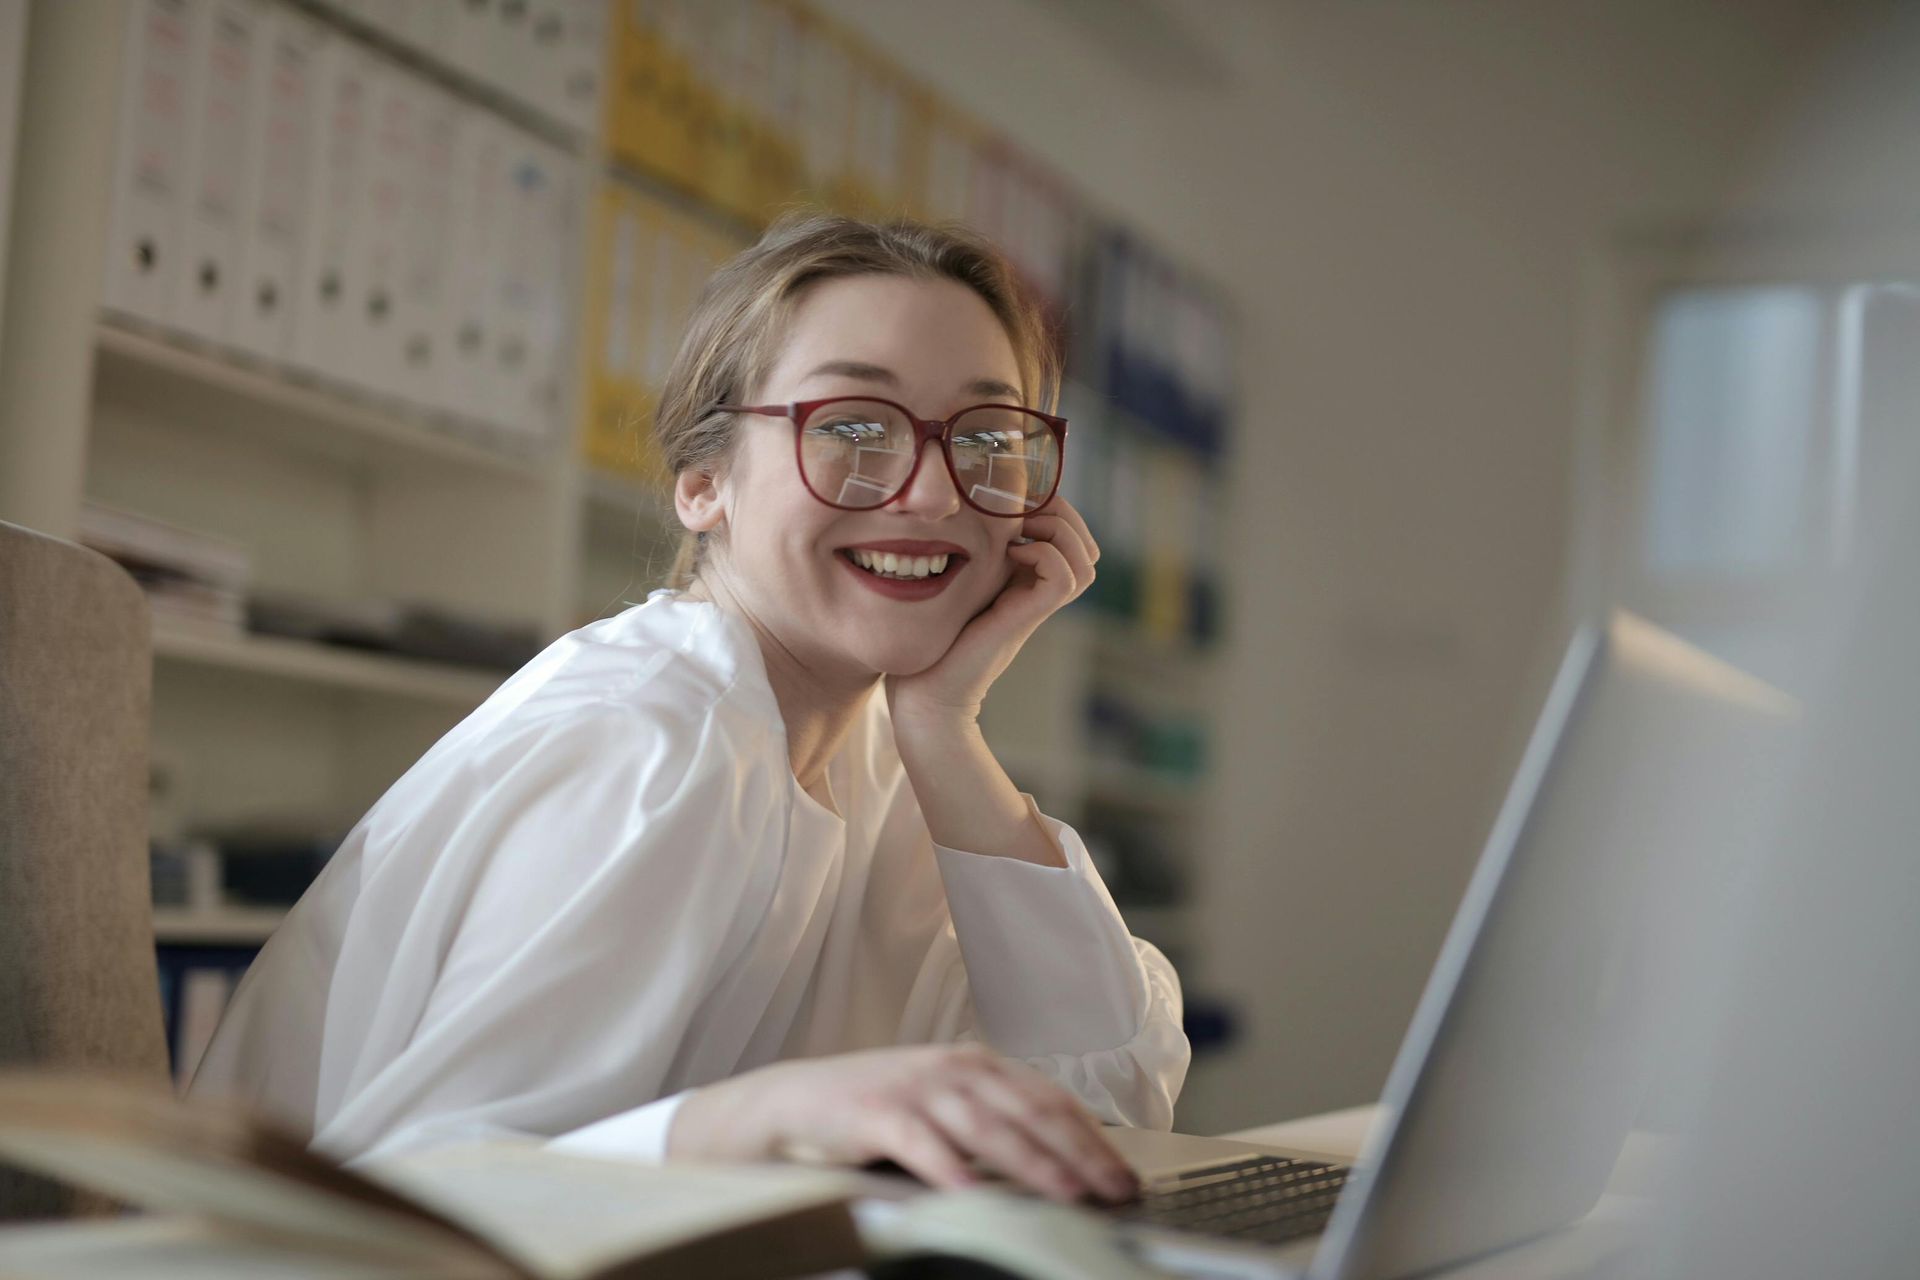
<point>696,500</point>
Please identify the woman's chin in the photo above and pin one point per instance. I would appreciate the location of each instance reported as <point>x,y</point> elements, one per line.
<point>903,658</point>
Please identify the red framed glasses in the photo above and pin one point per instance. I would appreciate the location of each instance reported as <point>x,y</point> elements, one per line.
<point>858,453</point>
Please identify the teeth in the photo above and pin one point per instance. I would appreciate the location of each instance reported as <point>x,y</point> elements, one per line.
<point>899,566</point>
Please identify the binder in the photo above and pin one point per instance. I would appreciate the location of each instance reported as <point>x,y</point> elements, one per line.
<point>826,112</point>
<point>706,94</point>
<point>987,189</point>
<point>377,317</point>
<point>274,210</point>
<point>633,431</point>
<point>736,72</point>
<point>1171,513</point>
<point>783,177</point>
<point>616,407</point>
<point>150,163</point>
<point>950,156</point>
<point>556,219</point>
<point>478,184</point>
<point>603,320</point>
<point>636,119</point>
<point>220,76</point>
<point>422,319</point>
<point>581,67</point>
<point>663,290</point>
<point>518,261</point>
<point>918,115</point>
<point>325,332</point>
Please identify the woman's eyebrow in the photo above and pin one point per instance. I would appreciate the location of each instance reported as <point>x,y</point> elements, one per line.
<point>876,373</point>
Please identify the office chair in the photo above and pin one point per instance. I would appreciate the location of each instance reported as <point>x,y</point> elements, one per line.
<point>78,986</point>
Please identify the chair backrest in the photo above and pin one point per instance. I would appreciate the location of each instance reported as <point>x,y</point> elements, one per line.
<point>78,983</point>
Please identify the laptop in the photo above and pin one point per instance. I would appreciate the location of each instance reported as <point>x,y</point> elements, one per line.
<point>1542,1024</point>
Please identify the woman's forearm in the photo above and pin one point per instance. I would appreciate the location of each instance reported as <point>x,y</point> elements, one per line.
<point>967,799</point>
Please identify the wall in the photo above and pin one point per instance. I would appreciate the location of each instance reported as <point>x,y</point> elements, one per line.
<point>1401,196</point>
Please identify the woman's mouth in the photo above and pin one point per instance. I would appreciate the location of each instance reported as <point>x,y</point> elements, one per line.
<point>901,575</point>
<point>886,564</point>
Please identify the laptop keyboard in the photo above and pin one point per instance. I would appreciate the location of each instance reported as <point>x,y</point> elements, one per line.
<point>1262,1199</point>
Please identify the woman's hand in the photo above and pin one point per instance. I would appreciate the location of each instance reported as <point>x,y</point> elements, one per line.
<point>1048,572</point>
<point>931,1109</point>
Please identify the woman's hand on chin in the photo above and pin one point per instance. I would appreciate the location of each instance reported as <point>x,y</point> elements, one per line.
<point>934,1110</point>
<point>1048,572</point>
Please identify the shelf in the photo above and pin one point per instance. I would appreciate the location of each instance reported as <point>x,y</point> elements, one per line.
<point>217,388</point>
<point>215,925</point>
<point>378,673</point>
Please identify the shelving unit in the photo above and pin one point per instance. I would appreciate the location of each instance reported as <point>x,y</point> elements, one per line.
<point>341,492</point>
<point>228,926</point>
<point>225,390</point>
<point>295,660</point>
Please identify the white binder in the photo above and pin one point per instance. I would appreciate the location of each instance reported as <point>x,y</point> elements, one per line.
<point>517,264</point>
<point>426,254</point>
<point>150,162</point>
<point>553,309</point>
<point>220,81</point>
<point>274,213</point>
<point>380,228</point>
<point>581,66</point>
<point>479,186</point>
<point>323,329</point>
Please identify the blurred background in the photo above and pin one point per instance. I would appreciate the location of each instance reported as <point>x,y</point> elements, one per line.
<point>1401,335</point>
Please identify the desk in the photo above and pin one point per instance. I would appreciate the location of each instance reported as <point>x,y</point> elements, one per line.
<point>1580,1249</point>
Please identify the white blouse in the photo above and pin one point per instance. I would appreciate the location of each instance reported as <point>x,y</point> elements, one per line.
<point>605,887</point>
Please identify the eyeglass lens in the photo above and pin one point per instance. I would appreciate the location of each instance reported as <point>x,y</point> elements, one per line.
<point>858,453</point>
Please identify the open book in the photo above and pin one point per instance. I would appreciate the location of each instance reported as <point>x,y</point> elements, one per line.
<point>241,1198</point>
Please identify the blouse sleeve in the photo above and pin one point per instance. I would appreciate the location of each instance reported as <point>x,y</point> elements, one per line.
<point>577,910</point>
<point>1052,977</point>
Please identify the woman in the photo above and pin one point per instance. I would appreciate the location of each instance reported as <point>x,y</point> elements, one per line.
<point>734,874</point>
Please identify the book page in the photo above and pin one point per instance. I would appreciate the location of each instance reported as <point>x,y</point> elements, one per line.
<point>169,1179</point>
<point>187,1248</point>
<point>565,1215</point>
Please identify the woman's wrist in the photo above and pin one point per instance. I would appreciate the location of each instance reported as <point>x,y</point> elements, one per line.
<point>731,1120</point>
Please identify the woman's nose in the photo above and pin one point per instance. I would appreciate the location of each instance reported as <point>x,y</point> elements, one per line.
<point>932,493</point>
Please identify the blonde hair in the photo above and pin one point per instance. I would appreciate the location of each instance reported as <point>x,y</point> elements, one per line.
<point>741,316</point>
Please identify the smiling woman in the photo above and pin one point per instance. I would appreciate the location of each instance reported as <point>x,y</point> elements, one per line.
<point>734,874</point>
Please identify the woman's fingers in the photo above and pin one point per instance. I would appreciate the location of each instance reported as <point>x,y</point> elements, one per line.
<point>1002,1143</point>
<point>1055,1118</point>
<point>920,1147</point>
<point>1073,542</point>
<point>1061,509</point>
<point>1048,563</point>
